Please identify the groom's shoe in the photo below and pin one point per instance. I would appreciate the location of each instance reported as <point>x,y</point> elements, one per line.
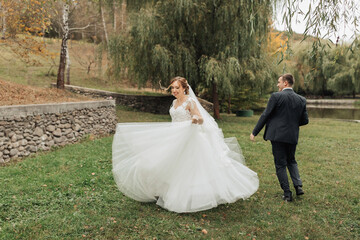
<point>287,198</point>
<point>299,190</point>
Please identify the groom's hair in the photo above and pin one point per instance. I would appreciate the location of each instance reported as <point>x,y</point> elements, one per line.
<point>289,78</point>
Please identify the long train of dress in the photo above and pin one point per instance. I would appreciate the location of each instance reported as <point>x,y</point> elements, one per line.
<point>181,166</point>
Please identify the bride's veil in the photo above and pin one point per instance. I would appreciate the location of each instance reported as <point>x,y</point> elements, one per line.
<point>209,121</point>
<point>213,131</point>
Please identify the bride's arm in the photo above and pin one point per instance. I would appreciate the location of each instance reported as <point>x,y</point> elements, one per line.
<point>195,114</point>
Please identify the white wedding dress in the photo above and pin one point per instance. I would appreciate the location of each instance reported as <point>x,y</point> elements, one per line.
<point>181,166</point>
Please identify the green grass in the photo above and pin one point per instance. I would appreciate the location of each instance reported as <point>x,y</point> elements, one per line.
<point>69,193</point>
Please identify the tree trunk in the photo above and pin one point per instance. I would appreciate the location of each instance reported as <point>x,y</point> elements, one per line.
<point>3,21</point>
<point>68,63</point>
<point>104,23</point>
<point>216,104</point>
<point>123,11</point>
<point>229,105</point>
<point>115,15</point>
<point>60,83</point>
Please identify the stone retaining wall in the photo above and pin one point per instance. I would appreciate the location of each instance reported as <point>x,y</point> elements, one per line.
<point>26,129</point>
<point>153,104</point>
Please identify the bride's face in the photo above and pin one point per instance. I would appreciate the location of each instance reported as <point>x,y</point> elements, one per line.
<point>177,90</point>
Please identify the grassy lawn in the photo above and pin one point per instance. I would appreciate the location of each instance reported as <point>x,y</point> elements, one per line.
<point>69,193</point>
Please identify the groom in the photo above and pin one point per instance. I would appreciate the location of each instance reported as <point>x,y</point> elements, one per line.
<point>285,112</point>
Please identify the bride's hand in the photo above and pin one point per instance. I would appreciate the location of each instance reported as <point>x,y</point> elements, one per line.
<point>197,120</point>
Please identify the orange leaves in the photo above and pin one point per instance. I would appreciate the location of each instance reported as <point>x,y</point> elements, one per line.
<point>204,231</point>
<point>27,16</point>
<point>20,22</point>
<point>276,42</point>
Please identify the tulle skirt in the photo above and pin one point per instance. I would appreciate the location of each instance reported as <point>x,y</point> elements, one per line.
<point>182,167</point>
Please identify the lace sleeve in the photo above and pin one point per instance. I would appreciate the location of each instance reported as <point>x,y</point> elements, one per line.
<point>193,109</point>
<point>173,103</point>
<point>191,103</point>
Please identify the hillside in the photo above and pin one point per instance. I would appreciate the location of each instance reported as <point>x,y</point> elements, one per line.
<point>18,94</point>
<point>21,82</point>
<point>88,69</point>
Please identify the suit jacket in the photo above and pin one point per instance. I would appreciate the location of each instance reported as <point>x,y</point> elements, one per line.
<point>285,112</point>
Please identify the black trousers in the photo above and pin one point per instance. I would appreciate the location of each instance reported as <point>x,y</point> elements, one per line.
<point>284,157</point>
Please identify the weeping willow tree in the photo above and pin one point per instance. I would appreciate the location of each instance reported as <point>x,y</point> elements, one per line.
<point>316,77</point>
<point>354,62</point>
<point>343,70</point>
<point>338,72</point>
<point>217,45</point>
<point>322,19</point>
<point>332,70</point>
<point>210,43</point>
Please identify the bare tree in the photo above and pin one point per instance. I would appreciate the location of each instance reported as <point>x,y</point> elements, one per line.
<point>68,63</point>
<point>104,22</point>
<point>64,47</point>
<point>85,59</point>
<point>115,14</point>
<point>123,15</point>
<point>65,62</point>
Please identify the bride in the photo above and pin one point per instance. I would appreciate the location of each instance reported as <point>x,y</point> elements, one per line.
<point>185,165</point>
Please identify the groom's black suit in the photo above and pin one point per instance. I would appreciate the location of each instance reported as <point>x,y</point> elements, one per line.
<point>285,112</point>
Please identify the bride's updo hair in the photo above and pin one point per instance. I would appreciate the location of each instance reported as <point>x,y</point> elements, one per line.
<point>183,83</point>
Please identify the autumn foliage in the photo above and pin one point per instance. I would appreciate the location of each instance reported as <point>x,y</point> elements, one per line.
<point>277,42</point>
<point>20,21</point>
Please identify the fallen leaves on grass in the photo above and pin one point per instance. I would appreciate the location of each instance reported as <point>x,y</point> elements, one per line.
<point>17,94</point>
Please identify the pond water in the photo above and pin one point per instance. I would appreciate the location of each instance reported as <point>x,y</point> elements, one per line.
<point>325,111</point>
<point>337,112</point>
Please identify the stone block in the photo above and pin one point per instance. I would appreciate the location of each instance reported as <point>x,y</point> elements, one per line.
<point>38,132</point>
<point>50,128</point>
<point>57,133</point>
<point>23,142</point>
<point>67,131</point>
<point>33,149</point>
<point>50,143</point>
<point>10,133</point>
<point>58,140</point>
<point>15,145</point>
<point>43,138</point>
<point>13,138</point>
<point>13,152</point>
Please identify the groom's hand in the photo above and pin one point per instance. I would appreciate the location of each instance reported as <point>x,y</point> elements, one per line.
<point>252,137</point>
